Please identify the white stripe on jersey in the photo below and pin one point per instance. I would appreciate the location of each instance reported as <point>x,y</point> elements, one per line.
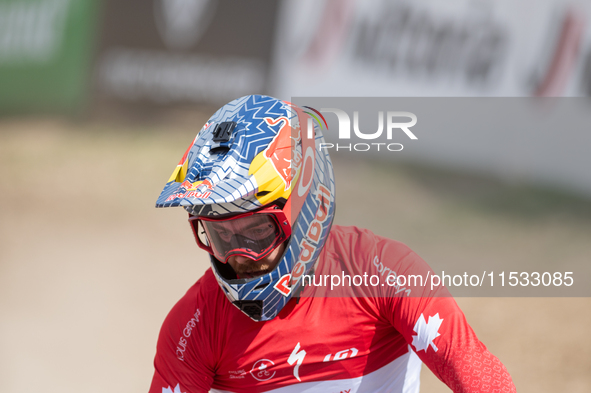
<point>402,375</point>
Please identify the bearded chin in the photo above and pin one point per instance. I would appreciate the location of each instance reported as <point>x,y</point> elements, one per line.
<point>252,268</point>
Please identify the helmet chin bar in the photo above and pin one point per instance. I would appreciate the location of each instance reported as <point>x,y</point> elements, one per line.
<point>224,269</point>
<point>252,308</point>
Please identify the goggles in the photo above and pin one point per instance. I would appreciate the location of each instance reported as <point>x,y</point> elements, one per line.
<point>253,234</point>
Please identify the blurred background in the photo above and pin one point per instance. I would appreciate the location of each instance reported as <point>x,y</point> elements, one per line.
<point>99,99</point>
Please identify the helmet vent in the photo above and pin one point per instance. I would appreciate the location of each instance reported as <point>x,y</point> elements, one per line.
<point>262,286</point>
<point>219,149</point>
<point>252,308</point>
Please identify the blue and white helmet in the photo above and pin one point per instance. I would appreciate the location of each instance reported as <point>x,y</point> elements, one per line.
<point>250,154</point>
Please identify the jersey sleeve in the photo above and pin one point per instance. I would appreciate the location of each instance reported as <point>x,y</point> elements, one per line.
<point>435,327</point>
<point>184,356</point>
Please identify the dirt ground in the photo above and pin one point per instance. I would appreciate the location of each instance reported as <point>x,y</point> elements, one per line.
<point>89,268</point>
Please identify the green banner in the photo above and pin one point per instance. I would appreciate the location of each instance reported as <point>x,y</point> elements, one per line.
<point>45,53</point>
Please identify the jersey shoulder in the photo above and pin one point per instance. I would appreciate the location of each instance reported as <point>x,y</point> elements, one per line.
<point>361,248</point>
<point>189,344</point>
<point>190,318</point>
<point>204,291</point>
<point>353,251</point>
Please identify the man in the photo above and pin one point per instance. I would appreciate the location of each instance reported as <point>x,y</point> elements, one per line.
<point>261,199</point>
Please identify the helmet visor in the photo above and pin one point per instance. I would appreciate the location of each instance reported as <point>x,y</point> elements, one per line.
<point>254,235</point>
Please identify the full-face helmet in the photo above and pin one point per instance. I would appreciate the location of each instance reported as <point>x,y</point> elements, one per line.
<point>255,177</point>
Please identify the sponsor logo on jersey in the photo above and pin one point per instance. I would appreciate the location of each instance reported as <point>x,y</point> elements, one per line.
<point>296,358</point>
<point>238,374</point>
<point>390,277</point>
<point>182,344</point>
<point>261,370</point>
<point>344,354</point>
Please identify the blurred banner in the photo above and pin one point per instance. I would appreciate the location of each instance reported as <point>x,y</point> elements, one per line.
<point>432,48</point>
<point>45,50</point>
<point>184,51</point>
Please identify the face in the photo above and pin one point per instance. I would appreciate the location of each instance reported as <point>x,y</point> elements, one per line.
<point>248,268</point>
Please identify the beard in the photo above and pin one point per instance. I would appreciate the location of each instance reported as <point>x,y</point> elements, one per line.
<point>251,270</point>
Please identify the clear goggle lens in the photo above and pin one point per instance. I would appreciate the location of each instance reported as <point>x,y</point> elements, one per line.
<point>254,235</point>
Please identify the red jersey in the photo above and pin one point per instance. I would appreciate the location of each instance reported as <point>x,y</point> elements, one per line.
<point>373,342</point>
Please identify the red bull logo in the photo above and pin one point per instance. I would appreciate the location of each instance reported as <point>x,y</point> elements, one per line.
<point>201,185</point>
<point>189,194</point>
<point>187,185</point>
<point>192,190</point>
<point>205,185</point>
<point>282,152</point>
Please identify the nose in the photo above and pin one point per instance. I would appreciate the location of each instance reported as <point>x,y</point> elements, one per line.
<point>242,260</point>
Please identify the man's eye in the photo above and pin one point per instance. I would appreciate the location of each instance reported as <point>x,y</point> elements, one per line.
<point>262,231</point>
<point>225,235</point>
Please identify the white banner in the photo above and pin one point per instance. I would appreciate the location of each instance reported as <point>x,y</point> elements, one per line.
<point>433,48</point>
